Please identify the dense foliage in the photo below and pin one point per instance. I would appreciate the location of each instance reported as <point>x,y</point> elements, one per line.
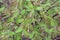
<point>29,19</point>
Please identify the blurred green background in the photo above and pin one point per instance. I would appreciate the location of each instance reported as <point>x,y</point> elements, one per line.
<point>29,19</point>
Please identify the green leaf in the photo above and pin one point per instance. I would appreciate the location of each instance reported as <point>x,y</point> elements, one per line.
<point>19,30</point>
<point>10,20</point>
<point>51,30</point>
<point>51,11</point>
<point>1,9</point>
<point>15,13</point>
<point>30,6</point>
<point>57,9</point>
<point>18,37</point>
<point>26,33</point>
<point>28,0</point>
<point>54,23</point>
<point>42,24</point>
<point>20,3</point>
<point>31,35</point>
<point>11,33</point>
<point>23,12</point>
<point>19,20</point>
<point>39,8</point>
<point>0,26</point>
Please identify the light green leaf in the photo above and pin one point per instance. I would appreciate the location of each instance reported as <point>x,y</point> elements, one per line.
<point>54,23</point>
<point>19,20</point>
<point>23,12</point>
<point>10,19</point>
<point>28,0</point>
<point>1,9</point>
<point>26,33</point>
<point>19,30</point>
<point>11,33</point>
<point>31,35</point>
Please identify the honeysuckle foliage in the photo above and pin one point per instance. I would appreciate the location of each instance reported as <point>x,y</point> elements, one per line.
<point>32,19</point>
